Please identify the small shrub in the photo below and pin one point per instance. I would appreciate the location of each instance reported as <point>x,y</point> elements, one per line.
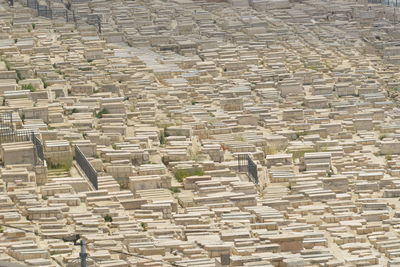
<point>195,156</point>
<point>108,218</point>
<point>272,149</point>
<point>239,138</point>
<point>33,25</point>
<point>74,110</point>
<point>165,132</point>
<point>144,226</point>
<point>8,66</point>
<point>162,139</point>
<point>123,186</point>
<point>388,157</point>
<point>19,76</point>
<point>175,190</point>
<point>100,114</point>
<point>298,134</point>
<point>45,84</point>
<point>45,197</point>
<point>165,161</point>
<point>300,154</point>
<point>29,87</point>
<point>382,136</point>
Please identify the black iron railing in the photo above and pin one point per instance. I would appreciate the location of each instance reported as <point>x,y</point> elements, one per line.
<point>246,164</point>
<point>393,3</point>
<point>10,136</point>
<point>67,13</point>
<point>86,167</point>
<point>6,123</point>
<point>95,20</point>
<point>38,147</point>
<point>6,118</point>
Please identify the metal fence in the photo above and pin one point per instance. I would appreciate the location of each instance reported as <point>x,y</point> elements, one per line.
<point>45,9</point>
<point>86,167</point>
<point>94,20</point>
<point>246,164</point>
<point>38,147</point>
<point>6,123</point>
<point>10,136</point>
<point>41,9</point>
<point>393,3</point>
<point>6,117</point>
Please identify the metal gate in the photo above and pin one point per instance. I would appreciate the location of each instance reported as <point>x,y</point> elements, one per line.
<point>246,164</point>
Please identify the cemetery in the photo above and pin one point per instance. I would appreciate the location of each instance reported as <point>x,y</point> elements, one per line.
<point>193,133</point>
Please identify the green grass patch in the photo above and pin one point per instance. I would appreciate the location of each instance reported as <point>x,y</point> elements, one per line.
<point>180,175</point>
<point>57,166</point>
<point>300,154</point>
